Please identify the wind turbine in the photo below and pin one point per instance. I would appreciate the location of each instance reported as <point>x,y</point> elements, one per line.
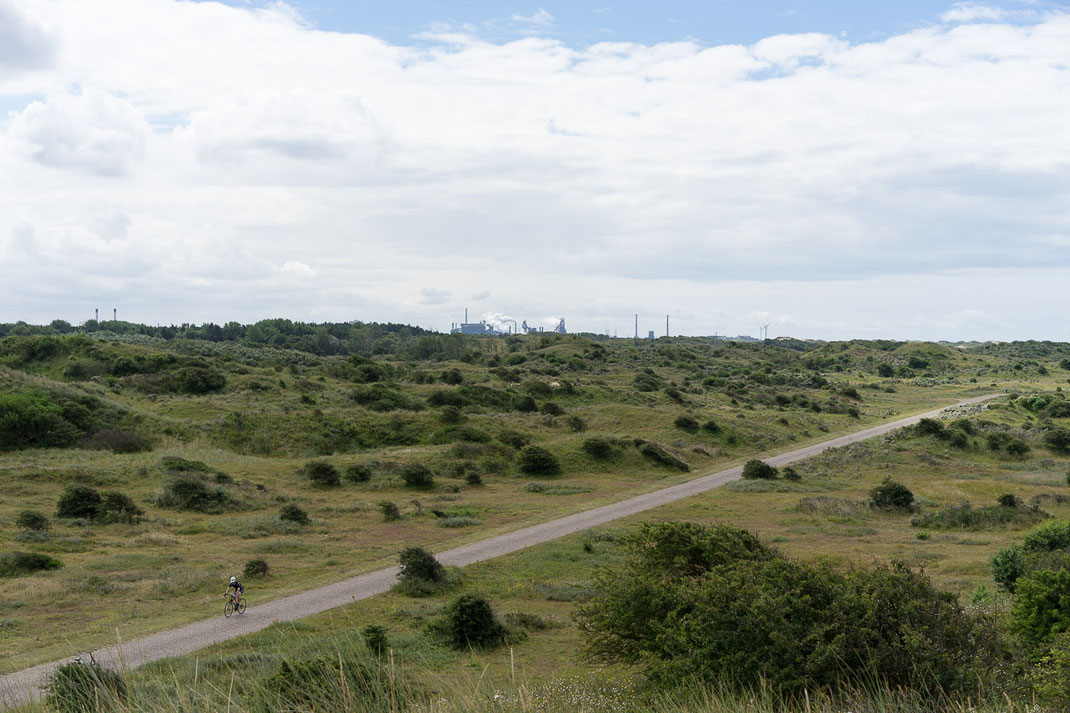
<point>764,330</point>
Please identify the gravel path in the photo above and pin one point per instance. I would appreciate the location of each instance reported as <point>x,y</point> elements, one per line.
<point>27,683</point>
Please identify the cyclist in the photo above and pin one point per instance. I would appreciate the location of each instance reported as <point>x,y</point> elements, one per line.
<point>238,589</point>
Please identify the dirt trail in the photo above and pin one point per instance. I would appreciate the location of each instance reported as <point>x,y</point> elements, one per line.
<point>26,684</point>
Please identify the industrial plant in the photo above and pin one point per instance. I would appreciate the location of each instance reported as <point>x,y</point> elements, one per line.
<point>496,329</point>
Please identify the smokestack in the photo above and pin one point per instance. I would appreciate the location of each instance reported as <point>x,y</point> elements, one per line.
<point>115,314</point>
<point>96,314</point>
<point>636,326</point>
<point>666,325</point>
<point>466,315</point>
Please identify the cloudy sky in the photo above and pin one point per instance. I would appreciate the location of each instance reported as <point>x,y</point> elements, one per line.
<point>830,169</point>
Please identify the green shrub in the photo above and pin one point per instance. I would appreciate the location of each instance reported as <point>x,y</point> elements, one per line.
<point>417,475</point>
<point>473,478</point>
<point>790,474</point>
<point>450,414</point>
<point>1017,447</point>
<point>32,520</point>
<point>470,623</point>
<point>599,447</point>
<point>193,491</point>
<point>327,683</point>
<point>694,604</point>
<point>181,465</point>
<point>931,427</point>
<point>536,460</point>
<point>526,404</point>
<point>292,513</point>
<point>390,510</point>
<point>375,638</point>
<point>686,423</point>
<point>890,495</point>
<point>1008,564</point>
<point>15,564</point>
<point>85,688</point>
<point>199,380</point>
<point>1058,440</point>
<point>452,377</point>
<point>358,473</point>
<point>576,424</point>
<point>711,427</point>
<point>659,455</point>
<point>33,420</point>
<point>758,470</point>
<point>321,473</point>
<point>1050,677</point>
<point>117,507</point>
<point>256,568</point>
<point>966,517</point>
<point>552,408</point>
<point>1048,537</point>
<point>79,501</point>
<point>1041,608</point>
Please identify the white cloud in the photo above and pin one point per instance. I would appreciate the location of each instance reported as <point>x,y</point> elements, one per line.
<point>23,45</point>
<point>541,18</point>
<point>95,132</point>
<point>241,151</point>
<point>973,12</point>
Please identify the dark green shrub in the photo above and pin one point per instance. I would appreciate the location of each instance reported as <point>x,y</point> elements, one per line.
<point>33,420</point>
<point>390,510</point>
<point>1009,500</point>
<point>292,513</point>
<point>470,622</point>
<point>117,507</point>
<point>712,605</point>
<point>687,423</point>
<point>450,414</point>
<point>536,460</point>
<point>358,473</point>
<point>552,408</point>
<point>15,564</point>
<point>321,473</point>
<point>84,688</point>
<point>789,473</point>
<point>199,380</point>
<point>758,470</point>
<point>711,427</point>
<point>966,517</point>
<point>514,438</point>
<point>473,478</point>
<point>194,491</point>
<point>1048,537</point>
<point>1017,447</point>
<point>958,439</point>
<point>331,682</point>
<point>659,455</point>
<point>375,639</point>
<point>452,377</point>
<point>890,495</point>
<point>32,520</point>
<point>181,465</point>
<point>931,427</point>
<point>526,404</point>
<point>886,371</point>
<point>576,424</point>
<point>419,564</point>
<point>256,568</point>
<point>599,447</point>
<point>1058,440</point>
<point>79,501</point>
<point>417,475</point>
<point>379,397</point>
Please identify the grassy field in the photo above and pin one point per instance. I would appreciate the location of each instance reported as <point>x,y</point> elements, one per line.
<point>463,416</point>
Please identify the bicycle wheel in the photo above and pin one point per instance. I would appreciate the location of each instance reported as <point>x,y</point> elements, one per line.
<point>228,609</point>
<point>241,606</point>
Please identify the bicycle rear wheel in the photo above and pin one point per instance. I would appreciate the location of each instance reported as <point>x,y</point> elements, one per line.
<point>228,609</point>
<point>241,606</point>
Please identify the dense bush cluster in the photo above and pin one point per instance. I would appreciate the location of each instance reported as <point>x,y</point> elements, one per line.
<point>716,605</point>
<point>80,501</point>
<point>14,564</point>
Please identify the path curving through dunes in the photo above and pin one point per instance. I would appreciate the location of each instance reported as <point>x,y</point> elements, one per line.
<point>26,684</point>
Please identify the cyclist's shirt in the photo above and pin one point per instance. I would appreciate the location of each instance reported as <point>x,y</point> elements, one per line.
<point>237,587</point>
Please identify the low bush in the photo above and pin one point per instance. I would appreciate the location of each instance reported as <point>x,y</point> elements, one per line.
<point>390,510</point>
<point>890,495</point>
<point>557,488</point>
<point>660,456</point>
<point>84,688</point>
<point>599,447</point>
<point>33,521</point>
<point>329,682</point>
<point>1039,611</point>
<point>421,575</point>
<point>790,474</point>
<point>358,473</point>
<point>469,622</point>
<point>16,564</point>
<point>552,408</point>
<point>686,423</point>
<point>292,513</point>
<point>711,427</point>
<point>83,502</point>
<point>117,507</point>
<point>195,492</point>
<point>526,404</point>
<point>256,568</point>
<point>758,470</point>
<point>576,424</point>
<point>965,517</point>
<point>536,460</point>
<point>458,521</point>
<point>375,638</point>
<point>417,475</point>
<point>321,473</point>
<point>931,427</point>
<point>1058,440</point>
<point>115,440</point>
<point>515,439</point>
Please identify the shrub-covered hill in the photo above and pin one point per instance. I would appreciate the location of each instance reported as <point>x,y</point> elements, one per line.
<point>322,464</point>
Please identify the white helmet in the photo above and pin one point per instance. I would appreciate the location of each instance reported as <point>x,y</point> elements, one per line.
<point>233,580</point>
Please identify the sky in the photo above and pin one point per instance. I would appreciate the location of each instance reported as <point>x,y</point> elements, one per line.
<point>831,169</point>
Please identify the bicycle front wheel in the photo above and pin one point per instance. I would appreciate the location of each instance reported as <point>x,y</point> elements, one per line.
<point>228,609</point>
<point>241,606</point>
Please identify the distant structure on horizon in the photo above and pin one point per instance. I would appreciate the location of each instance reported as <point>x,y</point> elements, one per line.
<point>482,328</point>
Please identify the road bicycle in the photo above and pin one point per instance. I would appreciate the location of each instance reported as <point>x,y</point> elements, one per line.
<point>234,605</point>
